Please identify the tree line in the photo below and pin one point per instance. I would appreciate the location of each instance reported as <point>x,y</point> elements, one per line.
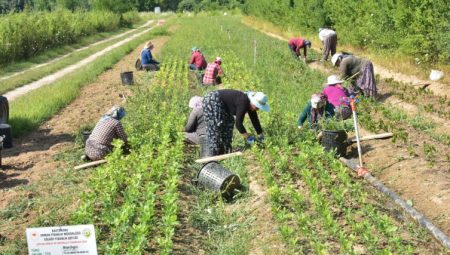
<point>117,6</point>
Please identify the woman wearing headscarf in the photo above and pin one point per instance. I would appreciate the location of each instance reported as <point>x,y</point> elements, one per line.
<point>108,128</point>
<point>197,61</point>
<point>337,96</point>
<point>317,108</point>
<point>328,37</point>
<point>213,73</point>
<point>220,106</point>
<point>295,44</point>
<point>359,70</point>
<point>195,128</point>
<point>147,61</point>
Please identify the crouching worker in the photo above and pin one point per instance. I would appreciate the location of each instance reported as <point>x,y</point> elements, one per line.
<point>295,44</point>
<point>195,129</point>
<point>147,61</point>
<point>220,106</point>
<point>213,73</point>
<point>359,70</point>
<point>197,61</point>
<point>108,128</point>
<point>317,108</point>
<point>337,96</point>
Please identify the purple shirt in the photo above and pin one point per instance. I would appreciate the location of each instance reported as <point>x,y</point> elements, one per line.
<point>334,94</point>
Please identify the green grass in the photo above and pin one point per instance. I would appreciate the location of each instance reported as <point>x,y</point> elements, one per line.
<point>37,73</point>
<point>48,100</point>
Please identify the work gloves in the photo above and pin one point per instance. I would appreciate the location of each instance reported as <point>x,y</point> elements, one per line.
<point>251,139</point>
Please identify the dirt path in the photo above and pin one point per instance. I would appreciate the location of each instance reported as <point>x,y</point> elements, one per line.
<point>436,87</point>
<point>403,168</point>
<point>61,73</point>
<point>267,237</point>
<point>32,155</point>
<point>77,50</point>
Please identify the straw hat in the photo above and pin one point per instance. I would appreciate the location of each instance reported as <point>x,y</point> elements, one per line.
<point>259,99</point>
<point>148,45</point>
<point>333,79</point>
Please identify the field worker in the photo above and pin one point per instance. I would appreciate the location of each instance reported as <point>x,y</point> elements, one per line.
<point>147,61</point>
<point>213,73</point>
<point>316,108</point>
<point>108,128</point>
<point>295,44</point>
<point>359,70</point>
<point>328,37</point>
<point>197,61</point>
<point>195,128</point>
<point>336,95</point>
<point>220,106</point>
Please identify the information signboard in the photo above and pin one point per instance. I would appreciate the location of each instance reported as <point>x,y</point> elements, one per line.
<point>61,240</point>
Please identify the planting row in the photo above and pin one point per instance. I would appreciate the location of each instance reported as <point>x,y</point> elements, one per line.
<point>319,206</point>
<point>133,199</point>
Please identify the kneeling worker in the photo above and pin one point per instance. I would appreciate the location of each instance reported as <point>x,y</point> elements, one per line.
<point>195,128</point>
<point>108,128</point>
<point>317,108</point>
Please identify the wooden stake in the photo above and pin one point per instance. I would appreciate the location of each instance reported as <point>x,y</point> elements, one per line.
<point>372,137</point>
<point>219,157</point>
<point>90,164</point>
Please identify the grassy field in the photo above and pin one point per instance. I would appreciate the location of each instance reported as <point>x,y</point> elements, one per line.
<point>136,200</point>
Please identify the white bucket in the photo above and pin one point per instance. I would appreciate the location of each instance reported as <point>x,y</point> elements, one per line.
<point>436,75</point>
<point>157,9</point>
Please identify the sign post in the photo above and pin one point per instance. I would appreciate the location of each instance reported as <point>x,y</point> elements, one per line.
<point>79,239</point>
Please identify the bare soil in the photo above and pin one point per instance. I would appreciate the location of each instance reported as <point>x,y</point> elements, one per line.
<point>32,158</point>
<point>405,168</point>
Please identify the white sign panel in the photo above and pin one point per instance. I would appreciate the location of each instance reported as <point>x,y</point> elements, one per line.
<point>62,240</point>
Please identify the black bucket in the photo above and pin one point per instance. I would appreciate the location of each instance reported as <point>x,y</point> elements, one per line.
<point>215,177</point>
<point>85,135</point>
<point>127,78</point>
<point>335,140</point>
<point>5,131</point>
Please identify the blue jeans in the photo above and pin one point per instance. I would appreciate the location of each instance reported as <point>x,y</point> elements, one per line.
<point>192,67</point>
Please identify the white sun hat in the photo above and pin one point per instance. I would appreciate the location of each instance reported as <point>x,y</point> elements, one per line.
<point>195,102</point>
<point>333,79</point>
<point>259,99</point>
<point>335,58</point>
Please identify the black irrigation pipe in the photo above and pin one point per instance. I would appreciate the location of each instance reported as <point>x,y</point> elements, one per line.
<point>420,218</point>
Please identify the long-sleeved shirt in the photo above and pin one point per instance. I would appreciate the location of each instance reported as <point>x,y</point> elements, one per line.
<point>212,70</point>
<point>147,58</point>
<point>238,104</point>
<point>196,123</point>
<point>334,94</point>
<point>325,33</point>
<point>351,65</point>
<point>306,114</point>
<point>198,60</point>
<point>106,131</point>
<point>297,43</point>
